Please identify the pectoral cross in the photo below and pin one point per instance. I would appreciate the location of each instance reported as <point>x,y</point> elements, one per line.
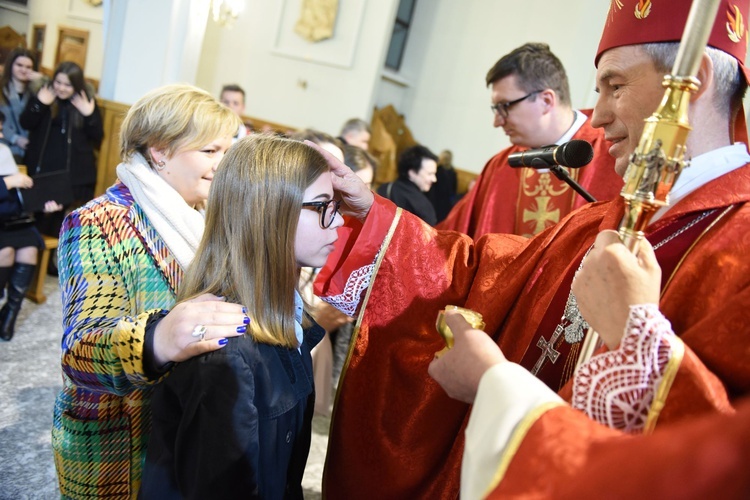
<point>548,350</point>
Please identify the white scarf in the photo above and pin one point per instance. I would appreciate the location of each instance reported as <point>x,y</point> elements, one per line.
<point>179,225</point>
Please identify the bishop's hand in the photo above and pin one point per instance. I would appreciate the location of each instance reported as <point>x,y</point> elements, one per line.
<point>458,370</point>
<point>356,197</point>
<point>611,280</point>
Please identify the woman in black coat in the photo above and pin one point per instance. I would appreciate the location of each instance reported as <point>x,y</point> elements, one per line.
<point>64,127</point>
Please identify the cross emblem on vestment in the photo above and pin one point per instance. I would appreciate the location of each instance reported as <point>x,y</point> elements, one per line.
<point>542,214</point>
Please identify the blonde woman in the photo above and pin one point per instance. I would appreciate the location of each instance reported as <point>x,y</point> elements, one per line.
<point>121,258</point>
<point>236,423</point>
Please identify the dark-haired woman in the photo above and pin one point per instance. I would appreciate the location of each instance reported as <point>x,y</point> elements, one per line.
<point>64,128</point>
<point>20,70</point>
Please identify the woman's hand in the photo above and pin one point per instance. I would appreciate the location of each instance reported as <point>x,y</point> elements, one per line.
<point>459,369</point>
<point>174,339</point>
<point>19,180</point>
<point>356,196</point>
<point>46,95</point>
<point>22,141</point>
<point>82,103</point>
<point>52,206</point>
<point>611,280</point>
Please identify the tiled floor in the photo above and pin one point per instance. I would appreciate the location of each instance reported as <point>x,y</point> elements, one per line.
<point>29,382</point>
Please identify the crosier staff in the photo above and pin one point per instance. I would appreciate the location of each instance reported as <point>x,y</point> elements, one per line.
<point>660,156</point>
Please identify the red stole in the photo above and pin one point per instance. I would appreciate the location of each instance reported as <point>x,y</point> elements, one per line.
<point>543,200</point>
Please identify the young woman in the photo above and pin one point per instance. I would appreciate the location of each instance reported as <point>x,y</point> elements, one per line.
<point>19,239</point>
<point>236,423</point>
<point>122,258</point>
<point>20,69</point>
<point>64,128</point>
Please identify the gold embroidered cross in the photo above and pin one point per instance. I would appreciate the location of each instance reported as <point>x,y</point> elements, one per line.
<point>542,214</point>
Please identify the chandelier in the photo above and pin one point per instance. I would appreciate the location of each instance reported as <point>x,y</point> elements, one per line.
<point>225,12</point>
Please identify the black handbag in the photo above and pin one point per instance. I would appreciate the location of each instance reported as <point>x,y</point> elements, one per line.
<point>18,221</point>
<point>47,186</point>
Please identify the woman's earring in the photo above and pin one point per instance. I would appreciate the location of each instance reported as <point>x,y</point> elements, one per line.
<point>160,165</point>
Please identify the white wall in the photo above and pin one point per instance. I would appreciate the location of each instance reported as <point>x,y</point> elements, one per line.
<point>440,88</point>
<point>14,15</point>
<point>292,91</point>
<point>453,45</point>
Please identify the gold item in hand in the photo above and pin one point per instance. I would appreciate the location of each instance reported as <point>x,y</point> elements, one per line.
<point>472,317</point>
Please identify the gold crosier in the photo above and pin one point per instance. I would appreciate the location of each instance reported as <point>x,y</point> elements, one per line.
<point>660,155</point>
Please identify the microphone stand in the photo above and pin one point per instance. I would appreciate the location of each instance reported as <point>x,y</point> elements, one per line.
<point>561,174</point>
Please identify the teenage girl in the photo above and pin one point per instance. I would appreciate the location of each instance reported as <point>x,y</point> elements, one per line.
<point>236,423</point>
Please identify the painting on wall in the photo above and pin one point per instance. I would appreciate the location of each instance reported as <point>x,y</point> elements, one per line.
<point>322,32</point>
<point>86,10</point>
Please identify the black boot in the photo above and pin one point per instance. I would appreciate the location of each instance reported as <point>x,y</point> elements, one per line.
<point>18,283</point>
<point>4,275</point>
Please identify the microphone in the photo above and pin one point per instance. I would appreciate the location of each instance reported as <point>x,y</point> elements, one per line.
<point>573,154</point>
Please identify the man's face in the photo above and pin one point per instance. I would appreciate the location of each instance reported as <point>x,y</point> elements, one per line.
<point>523,121</point>
<point>425,178</point>
<point>630,89</point>
<point>234,101</point>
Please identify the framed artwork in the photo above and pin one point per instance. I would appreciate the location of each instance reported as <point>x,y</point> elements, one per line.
<point>86,10</point>
<point>338,50</point>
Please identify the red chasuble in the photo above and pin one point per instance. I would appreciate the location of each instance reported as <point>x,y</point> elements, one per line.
<point>523,201</point>
<point>565,455</point>
<point>395,434</point>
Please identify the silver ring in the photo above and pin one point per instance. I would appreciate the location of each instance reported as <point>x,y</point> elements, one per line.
<point>199,331</point>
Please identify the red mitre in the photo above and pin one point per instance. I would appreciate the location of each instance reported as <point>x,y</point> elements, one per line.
<point>633,22</point>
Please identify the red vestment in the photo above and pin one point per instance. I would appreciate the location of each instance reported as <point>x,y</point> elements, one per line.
<point>523,201</point>
<point>566,455</point>
<point>396,434</point>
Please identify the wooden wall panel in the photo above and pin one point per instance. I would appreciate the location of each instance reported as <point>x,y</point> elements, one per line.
<point>113,113</point>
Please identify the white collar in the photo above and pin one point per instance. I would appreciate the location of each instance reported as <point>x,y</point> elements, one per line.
<point>298,309</point>
<point>577,124</point>
<point>703,169</point>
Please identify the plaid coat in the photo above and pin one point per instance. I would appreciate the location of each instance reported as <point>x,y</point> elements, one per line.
<point>115,271</point>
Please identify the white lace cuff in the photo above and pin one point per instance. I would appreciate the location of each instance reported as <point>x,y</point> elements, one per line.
<point>348,301</point>
<point>617,388</point>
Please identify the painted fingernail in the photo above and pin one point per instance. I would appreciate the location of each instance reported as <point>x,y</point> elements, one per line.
<point>223,341</point>
<point>244,310</point>
<point>246,320</point>
<point>241,329</point>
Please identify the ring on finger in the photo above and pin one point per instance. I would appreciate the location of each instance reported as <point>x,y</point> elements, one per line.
<point>199,331</point>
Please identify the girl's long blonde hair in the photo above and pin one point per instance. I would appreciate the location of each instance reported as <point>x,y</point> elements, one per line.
<point>247,250</point>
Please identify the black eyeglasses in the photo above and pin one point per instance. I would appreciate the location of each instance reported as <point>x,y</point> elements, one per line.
<point>326,209</point>
<point>502,108</point>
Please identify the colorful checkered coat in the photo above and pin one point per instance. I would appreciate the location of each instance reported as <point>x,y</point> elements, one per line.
<point>115,270</point>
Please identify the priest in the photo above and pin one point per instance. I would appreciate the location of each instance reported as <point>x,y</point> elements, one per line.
<point>531,103</point>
